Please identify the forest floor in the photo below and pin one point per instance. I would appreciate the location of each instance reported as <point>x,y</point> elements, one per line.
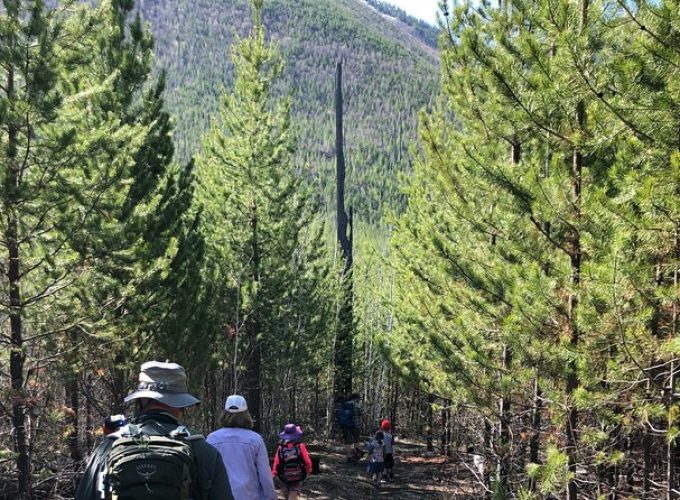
<point>418,474</point>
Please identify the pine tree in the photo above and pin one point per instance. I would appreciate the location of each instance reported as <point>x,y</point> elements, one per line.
<point>91,202</point>
<point>66,149</point>
<point>254,213</point>
<point>569,221</point>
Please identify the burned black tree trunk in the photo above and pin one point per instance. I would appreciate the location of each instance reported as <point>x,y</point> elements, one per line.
<point>345,325</point>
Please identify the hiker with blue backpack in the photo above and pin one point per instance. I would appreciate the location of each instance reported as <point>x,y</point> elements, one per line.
<point>349,418</point>
<point>291,461</point>
<point>155,457</point>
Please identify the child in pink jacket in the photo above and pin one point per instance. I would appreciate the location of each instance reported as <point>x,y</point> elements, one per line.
<point>291,461</point>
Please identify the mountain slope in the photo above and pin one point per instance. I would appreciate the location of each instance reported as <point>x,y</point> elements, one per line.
<point>423,30</point>
<point>390,72</point>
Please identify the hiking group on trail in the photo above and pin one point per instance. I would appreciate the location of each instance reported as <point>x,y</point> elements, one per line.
<point>156,457</point>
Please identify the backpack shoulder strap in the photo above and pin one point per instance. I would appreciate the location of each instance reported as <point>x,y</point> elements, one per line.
<point>202,481</point>
<point>157,429</point>
<point>301,460</point>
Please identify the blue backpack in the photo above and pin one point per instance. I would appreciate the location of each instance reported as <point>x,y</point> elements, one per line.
<point>346,416</point>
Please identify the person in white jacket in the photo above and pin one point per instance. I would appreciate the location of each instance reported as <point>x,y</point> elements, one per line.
<point>243,453</point>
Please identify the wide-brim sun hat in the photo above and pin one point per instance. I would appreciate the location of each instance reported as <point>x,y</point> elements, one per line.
<point>291,432</point>
<point>165,383</point>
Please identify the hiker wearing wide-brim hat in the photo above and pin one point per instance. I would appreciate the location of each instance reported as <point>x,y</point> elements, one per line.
<point>161,398</point>
<point>291,432</point>
<point>165,383</point>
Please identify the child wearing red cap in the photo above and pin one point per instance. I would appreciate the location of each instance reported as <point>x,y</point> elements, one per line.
<point>388,449</point>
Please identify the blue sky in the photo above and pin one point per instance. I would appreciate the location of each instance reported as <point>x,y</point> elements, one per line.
<point>422,9</point>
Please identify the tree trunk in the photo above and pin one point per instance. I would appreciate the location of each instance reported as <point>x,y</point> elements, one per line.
<point>671,449</point>
<point>89,417</point>
<point>17,360</point>
<point>72,401</point>
<point>253,327</point>
<point>215,402</point>
<point>534,442</point>
<point>17,356</point>
<point>448,430</point>
<point>504,430</point>
<point>575,260</point>
<point>430,423</point>
<point>572,376</point>
<point>120,374</point>
<point>317,409</point>
<point>647,462</point>
<point>345,325</point>
<point>254,387</point>
<point>504,403</point>
<point>395,399</point>
<point>293,401</point>
<point>488,440</point>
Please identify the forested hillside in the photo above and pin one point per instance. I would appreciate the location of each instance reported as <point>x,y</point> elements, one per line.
<point>390,74</point>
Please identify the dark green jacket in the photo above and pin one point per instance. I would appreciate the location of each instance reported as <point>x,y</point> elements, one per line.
<point>210,469</point>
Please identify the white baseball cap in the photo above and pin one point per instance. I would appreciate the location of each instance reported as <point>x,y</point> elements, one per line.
<point>235,404</point>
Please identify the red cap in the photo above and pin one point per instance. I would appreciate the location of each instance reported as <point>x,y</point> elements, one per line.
<point>386,425</point>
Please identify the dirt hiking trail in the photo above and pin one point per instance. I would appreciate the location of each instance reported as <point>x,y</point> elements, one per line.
<point>418,474</point>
